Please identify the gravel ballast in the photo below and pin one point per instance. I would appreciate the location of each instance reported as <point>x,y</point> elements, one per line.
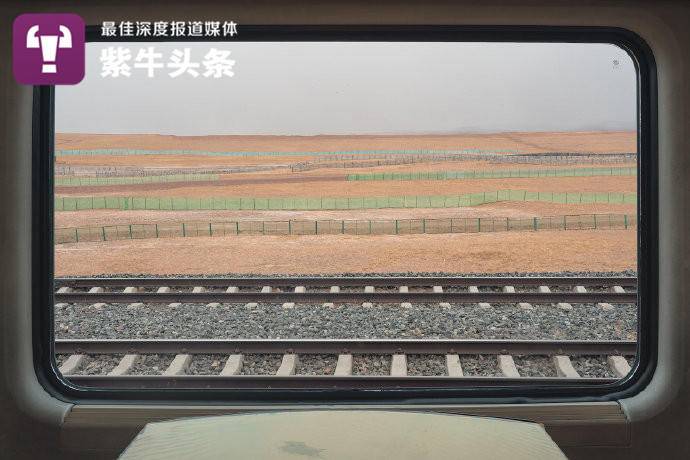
<point>535,366</point>
<point>98,364</point>
<point>316,364</point>
<point>261,364</point>
<point>207,364</point>
<point>371,365</point>
<point>426,365</point>
<point>480,366</point>
<point>154,364</point>
<point>266,321</point>
<point>592,366</point>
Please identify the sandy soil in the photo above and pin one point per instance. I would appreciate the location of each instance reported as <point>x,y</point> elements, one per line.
<point>505,209</point>
<point>603,142</point>
<point>361,188</point>
<point>198,161</point>
<point>452,166</point>
<point>489,252</point>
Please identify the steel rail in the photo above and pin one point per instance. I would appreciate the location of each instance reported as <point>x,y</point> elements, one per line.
<point>350,281</point>
<point>245,382</point>
<point>338,346</point>
<point>347,297</point>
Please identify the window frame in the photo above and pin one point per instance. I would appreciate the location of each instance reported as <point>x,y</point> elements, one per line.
<point>647,234</point>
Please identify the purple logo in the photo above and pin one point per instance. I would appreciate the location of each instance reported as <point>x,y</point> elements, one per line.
<point>48,49</point>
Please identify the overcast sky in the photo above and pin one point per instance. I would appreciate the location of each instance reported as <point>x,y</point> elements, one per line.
<point>361,88</point>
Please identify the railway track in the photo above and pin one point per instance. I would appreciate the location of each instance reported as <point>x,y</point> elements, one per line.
<point>229,374</point>
<point>176,368</point>
<point>331,290</point>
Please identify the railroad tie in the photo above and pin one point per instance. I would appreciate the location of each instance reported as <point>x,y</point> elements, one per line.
<point>179,365</point>
<point>399,365</point>
<point>133,290</point>
<point>564,367</point>
<point>603,305</point>
<point>72,364</point>
<point>368,290</point>
<point>125,365</point>
<point>166,290</point>
<point>232,290</point>
<point>561,305</point>
<point>527,305</point>
<point>507,366</point>
<point>439,290</point>
<point>475,290</point>
<point>199,290</point>
<point>288,365</point>
<point>607,306</point>
<point>344,365</point>
<point>334,290</point>
<point>619,365</point>
<point>453,366</point>
<point>266,290</point>
<point>97,290</point>
<point>405,290</point>
<point>233,365</point>
<point>63,290</point>
<point>298,289</point>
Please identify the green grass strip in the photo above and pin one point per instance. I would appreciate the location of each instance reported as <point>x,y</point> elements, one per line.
<point>66,203</point>
<point>76,181</point>
<point>498,174</point>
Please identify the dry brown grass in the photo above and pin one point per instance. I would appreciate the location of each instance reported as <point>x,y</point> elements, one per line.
<point>343,188</point>
<point>586,141</point>
<point>600,250</point>
<point>102,217</point>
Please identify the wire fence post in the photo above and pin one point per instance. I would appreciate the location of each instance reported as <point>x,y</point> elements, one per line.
<point>156,230</point>
<point>210,229</point>
<point>625,220</point>
<point>76,235</point>
<point>396,226</point>
<point>290,227</point>
<point>130,231</point>
<point>103,232</point>
<point>535,224</point>
<point>184,229</point>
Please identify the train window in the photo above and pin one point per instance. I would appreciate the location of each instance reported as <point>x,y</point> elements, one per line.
<point>322,212</point>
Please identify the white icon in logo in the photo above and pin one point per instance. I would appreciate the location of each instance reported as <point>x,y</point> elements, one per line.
<point>49,45</point>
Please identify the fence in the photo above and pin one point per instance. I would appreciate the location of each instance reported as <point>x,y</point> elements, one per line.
<point>138,171</point>
<point>523,158</point>
<point>124,180</point>
<point>497,174</point>
<point>328,203</point>
<point>65,152</point>
<point>345,227</point>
